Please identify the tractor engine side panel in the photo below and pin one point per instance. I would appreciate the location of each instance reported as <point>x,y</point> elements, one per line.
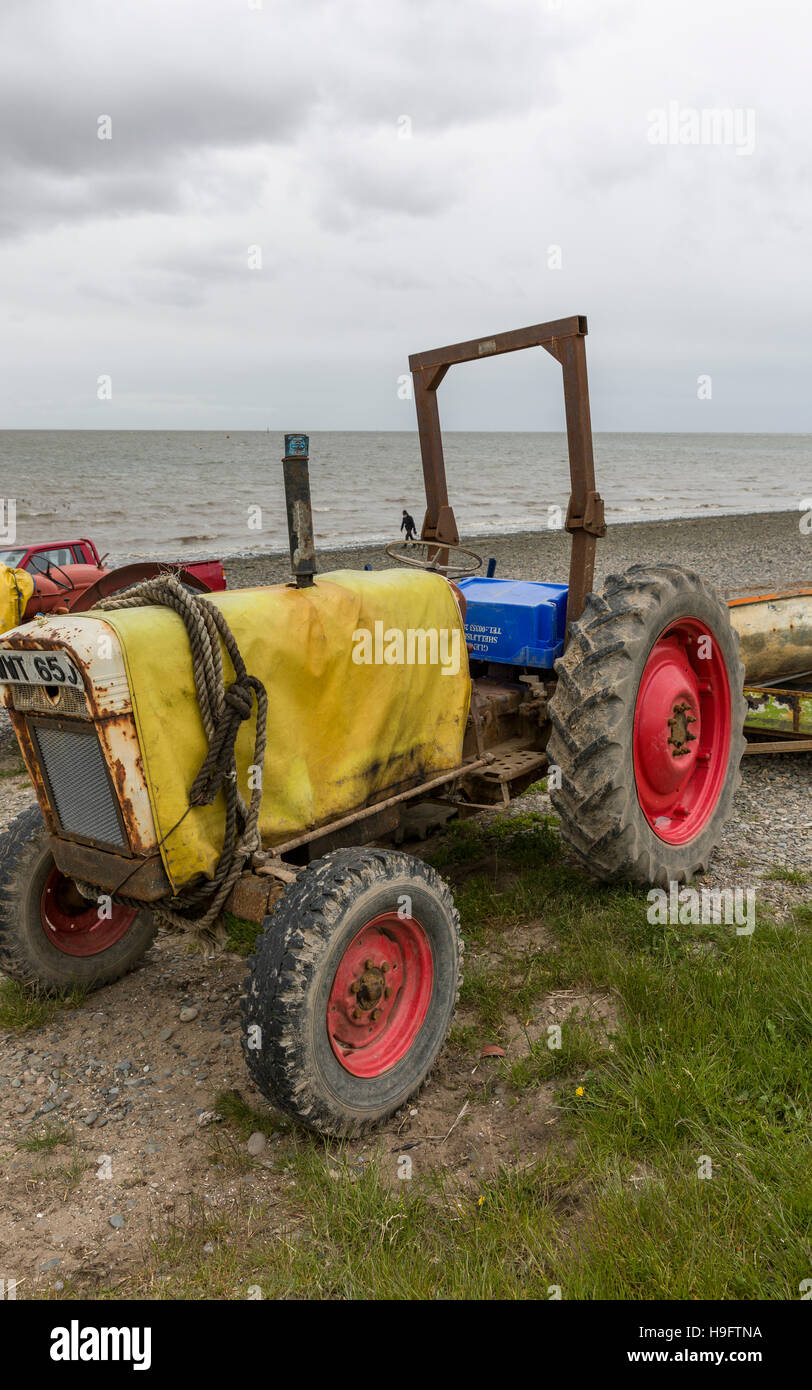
<point>80,747</point>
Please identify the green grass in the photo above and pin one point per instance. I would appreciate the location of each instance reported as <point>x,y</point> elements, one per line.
<point>781,874</point>
<point>19,770</point>
<point>707,1072</point>
<point>521,837</point>
<point>24,1010</point>
<point>66,1175</point>
<point>244,1119</point>
<point>48,1139</point>
<point>583,1225</point>
<point>582,1044</point>
<point>240,935</point>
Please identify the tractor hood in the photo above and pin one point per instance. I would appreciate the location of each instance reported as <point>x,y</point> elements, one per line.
<point>368,692</point>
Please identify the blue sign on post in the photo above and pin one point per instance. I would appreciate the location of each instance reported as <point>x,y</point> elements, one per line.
<point>297,446</point>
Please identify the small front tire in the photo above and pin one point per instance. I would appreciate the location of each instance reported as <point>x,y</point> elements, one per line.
<point>353,989</point>
<point>51,938</point>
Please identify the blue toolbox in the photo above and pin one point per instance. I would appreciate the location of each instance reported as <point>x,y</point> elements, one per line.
<point>515,622</point>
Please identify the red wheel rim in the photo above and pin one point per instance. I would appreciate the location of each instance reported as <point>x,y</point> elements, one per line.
<point>682,730</point>
<point>380,994</point>
<point>73,925</point>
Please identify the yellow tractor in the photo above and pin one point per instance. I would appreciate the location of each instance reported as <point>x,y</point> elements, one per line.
<point>267,751</point>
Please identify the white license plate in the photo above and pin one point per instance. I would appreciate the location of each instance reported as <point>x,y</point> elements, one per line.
<point>37,668</point>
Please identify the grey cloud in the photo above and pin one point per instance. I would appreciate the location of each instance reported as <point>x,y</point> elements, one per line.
<point>279,127</point>
<point>230,79</point>
<point>357,184</point>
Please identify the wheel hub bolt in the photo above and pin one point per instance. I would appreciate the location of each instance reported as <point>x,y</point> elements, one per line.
<point>680,734</point>
<point>368,989</point>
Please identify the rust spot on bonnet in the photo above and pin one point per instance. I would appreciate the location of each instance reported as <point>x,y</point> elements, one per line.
<point>121,771</point>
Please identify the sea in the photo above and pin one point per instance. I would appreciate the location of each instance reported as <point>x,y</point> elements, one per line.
<point>183,494</point>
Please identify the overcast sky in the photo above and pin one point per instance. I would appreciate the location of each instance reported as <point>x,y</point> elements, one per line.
<point>405,170</point>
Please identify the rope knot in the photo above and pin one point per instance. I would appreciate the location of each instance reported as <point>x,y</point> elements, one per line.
<point>239,697</point>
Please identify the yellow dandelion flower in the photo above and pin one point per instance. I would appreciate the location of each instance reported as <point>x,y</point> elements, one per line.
<point>579,1090</point>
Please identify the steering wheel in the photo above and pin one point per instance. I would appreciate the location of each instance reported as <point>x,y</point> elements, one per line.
<point>46,573</point>
<point>401,552</point>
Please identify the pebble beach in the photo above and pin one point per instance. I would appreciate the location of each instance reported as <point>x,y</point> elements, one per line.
<point>761,549</point>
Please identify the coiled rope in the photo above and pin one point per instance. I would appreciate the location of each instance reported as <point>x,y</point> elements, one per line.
<point>222,711</point>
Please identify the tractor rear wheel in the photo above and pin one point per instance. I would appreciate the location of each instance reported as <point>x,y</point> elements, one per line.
<point>647,719</point>
<point>52,938</point>
<point>352,989</point>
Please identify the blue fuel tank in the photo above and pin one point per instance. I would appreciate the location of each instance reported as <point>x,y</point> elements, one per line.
<point>515,622</point>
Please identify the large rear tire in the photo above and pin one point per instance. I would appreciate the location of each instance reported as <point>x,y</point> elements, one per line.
<point>352,989</point>
<point>51,938</point>
<point>647,726</point>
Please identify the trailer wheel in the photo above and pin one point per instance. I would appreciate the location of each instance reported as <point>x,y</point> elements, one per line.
<point>51,937</point>
<point>352,990</point>
<point>647,718</point>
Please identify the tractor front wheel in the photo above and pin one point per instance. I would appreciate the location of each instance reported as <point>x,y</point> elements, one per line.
<point>51,937</point>
<point>353,989</point>
<point>647,718</point>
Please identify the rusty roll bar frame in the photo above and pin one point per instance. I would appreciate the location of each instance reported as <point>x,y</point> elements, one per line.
<point>564,340</point>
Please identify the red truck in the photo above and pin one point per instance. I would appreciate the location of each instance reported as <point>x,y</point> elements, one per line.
<point>70,576</point>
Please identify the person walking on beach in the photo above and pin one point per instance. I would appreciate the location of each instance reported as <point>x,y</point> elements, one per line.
<point>407,525</point>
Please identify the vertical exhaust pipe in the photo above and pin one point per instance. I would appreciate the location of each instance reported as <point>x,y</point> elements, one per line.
<point>295,466</point>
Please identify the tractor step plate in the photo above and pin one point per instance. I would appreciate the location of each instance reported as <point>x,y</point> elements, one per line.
<point>512,763</point>
<point>517,763</point>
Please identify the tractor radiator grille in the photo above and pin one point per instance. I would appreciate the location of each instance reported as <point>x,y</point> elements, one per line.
<point>64,701</point>
<point>80,788</point>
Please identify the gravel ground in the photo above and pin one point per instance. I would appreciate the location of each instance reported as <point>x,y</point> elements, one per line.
<point>126,1085</point>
